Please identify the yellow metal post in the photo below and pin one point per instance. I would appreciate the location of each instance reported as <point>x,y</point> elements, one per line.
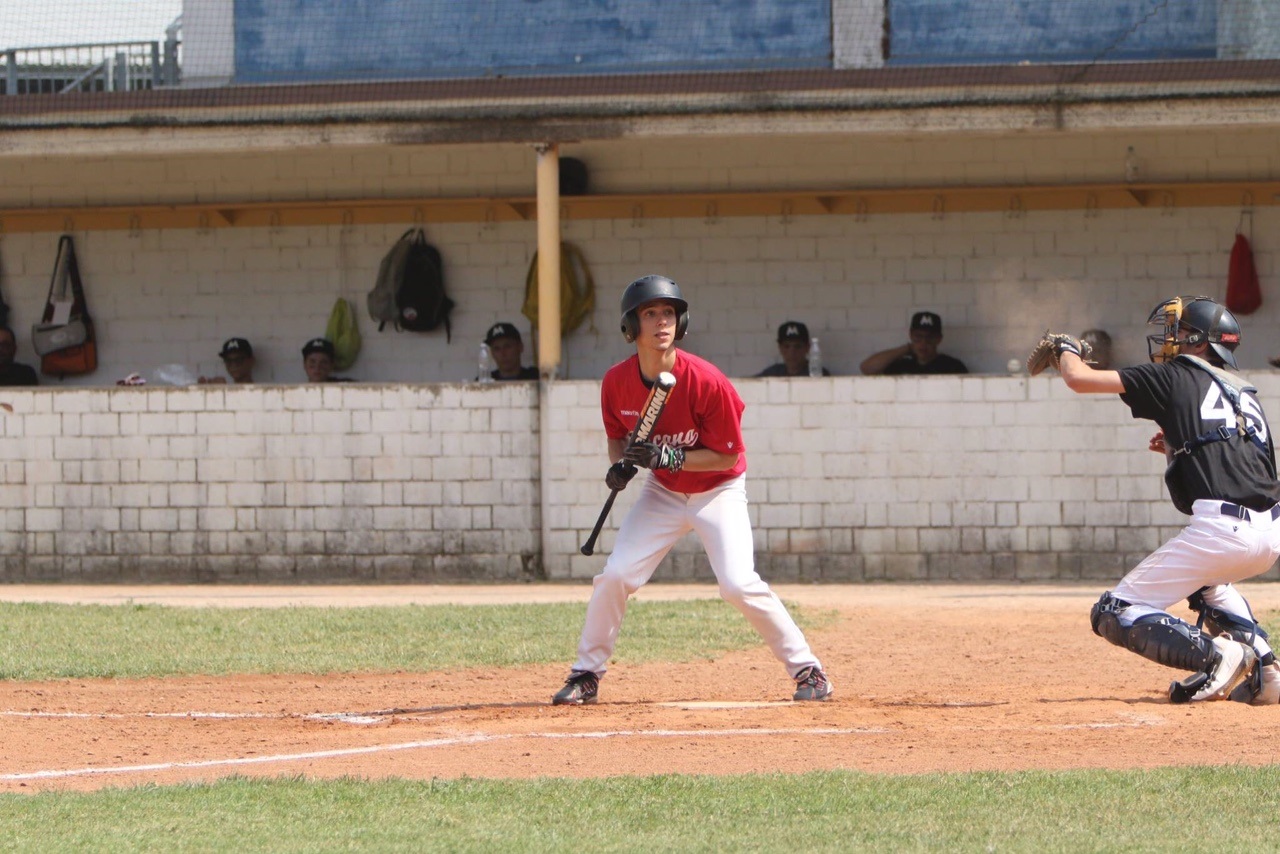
<point>548,324</point>
<point>548,259</point>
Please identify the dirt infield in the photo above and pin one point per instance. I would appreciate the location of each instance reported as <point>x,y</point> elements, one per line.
<point>928,678</point>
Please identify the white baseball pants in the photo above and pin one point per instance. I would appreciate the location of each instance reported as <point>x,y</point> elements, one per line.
<point>655,522</point>
<point>1213,551</point>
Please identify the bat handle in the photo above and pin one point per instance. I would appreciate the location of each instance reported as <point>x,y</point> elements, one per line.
<point>589,547</point>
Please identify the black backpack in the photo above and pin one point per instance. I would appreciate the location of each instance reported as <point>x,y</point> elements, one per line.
<point>414,273</point>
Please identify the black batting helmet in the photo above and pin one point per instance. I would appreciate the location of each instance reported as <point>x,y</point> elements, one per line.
<point>1205,319</point>
<point>648,289</point>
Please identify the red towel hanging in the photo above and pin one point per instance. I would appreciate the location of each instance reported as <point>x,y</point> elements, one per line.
<point>1244,295</point>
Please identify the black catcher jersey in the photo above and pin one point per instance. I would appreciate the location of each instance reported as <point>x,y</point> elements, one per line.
<point>1189,404</point>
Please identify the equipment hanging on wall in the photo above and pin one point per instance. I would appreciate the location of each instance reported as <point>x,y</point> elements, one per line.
<point>64,338</point>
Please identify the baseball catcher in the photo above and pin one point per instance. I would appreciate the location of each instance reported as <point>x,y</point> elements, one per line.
<point>1221,472</point>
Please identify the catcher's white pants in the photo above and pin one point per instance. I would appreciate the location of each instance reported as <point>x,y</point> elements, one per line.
<point>655,522</point>
<point>1213,551</point>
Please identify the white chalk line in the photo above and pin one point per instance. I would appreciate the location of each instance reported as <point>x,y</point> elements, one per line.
<point>476,738</point>
<point>340,717</point>
<point>375,718</point>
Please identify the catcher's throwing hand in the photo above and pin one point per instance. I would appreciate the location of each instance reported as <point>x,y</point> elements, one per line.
<point>650,456</point>
<point>1049,349</point>
<point>619,475</point>
<point>1156,443</point>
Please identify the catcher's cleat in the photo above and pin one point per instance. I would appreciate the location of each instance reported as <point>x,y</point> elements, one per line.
<point>1231,664</point>
<point>812,684</point>
<point>579,689</point>
<point>1262,688</point>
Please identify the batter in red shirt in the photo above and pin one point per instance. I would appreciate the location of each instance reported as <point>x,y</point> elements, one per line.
<point>697,482</point>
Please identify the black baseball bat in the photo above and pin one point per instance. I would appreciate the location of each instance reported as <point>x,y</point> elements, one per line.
<point>644,428</point>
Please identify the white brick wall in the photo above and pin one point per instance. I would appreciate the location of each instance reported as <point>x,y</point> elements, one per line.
<point>1248,29</point>
<point>270,483</point>
<point>901,478</point>
<point>164,297</point>
<point>858,27</point>
<point>172,297</point>
<point>849,478</point>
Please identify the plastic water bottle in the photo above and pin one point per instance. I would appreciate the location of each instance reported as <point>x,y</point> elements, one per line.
<point>815,358</point>
<point>485,364</point>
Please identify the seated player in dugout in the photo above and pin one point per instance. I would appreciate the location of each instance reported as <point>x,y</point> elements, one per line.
<point>1221,471</point>
<point>793,347</point>
<point>237,358</point>
<point>507,349</point>
<point>317,361</point>
<point>697,482</point>
<point>919,355</point>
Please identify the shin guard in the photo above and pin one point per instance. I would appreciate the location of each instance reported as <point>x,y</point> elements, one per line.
<point>1153,634</point>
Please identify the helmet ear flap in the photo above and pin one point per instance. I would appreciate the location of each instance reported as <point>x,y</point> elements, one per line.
<point>682,324</point>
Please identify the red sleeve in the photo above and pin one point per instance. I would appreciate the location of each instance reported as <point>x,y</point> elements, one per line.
<point>721,417</point>
<point>610,407</point>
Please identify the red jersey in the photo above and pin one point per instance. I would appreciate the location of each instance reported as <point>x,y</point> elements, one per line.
<point>704,411</point>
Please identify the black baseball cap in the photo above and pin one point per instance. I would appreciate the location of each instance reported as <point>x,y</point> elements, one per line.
<point>501,330</point>
<point>318,345</point>
<point>236,347</point>
<point>793,330</point>
<point>926,321</point>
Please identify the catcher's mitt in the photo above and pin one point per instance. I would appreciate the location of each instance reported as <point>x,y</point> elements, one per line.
<point>1050,349</point>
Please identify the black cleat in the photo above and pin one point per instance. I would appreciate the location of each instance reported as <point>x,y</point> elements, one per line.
<point>579,689</point>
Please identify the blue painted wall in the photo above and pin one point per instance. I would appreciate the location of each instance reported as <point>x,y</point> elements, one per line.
<point>1002,31</point>
<point>308,40</point>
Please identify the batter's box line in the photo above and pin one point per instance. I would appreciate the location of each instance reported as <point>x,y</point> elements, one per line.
<point>368,718</point>
<point>378,716</point>
<point>475,738</point>
<point>1137,724</point>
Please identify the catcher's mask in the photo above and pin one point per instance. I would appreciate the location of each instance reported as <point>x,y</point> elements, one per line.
<point>1203,319</point>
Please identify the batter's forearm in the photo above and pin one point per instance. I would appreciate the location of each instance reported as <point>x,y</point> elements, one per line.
<point>616,447</point>
<point>705,459</point>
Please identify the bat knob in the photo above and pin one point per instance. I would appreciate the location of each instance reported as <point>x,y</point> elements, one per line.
<point>587,550</point>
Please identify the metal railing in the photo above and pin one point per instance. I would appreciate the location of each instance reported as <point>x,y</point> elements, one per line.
<point>102,67</point>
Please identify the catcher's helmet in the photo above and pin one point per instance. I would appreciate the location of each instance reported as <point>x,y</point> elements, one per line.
<point>648,289</point>
<point>1203,318</point>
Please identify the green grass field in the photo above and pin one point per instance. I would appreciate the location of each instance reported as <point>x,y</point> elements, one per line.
<point>1158,810</point>
<point>1182,809</point>
<point>41,641</point>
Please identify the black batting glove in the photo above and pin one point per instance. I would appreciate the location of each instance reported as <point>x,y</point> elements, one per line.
<point>650,456</point>
<point>619,475</point>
